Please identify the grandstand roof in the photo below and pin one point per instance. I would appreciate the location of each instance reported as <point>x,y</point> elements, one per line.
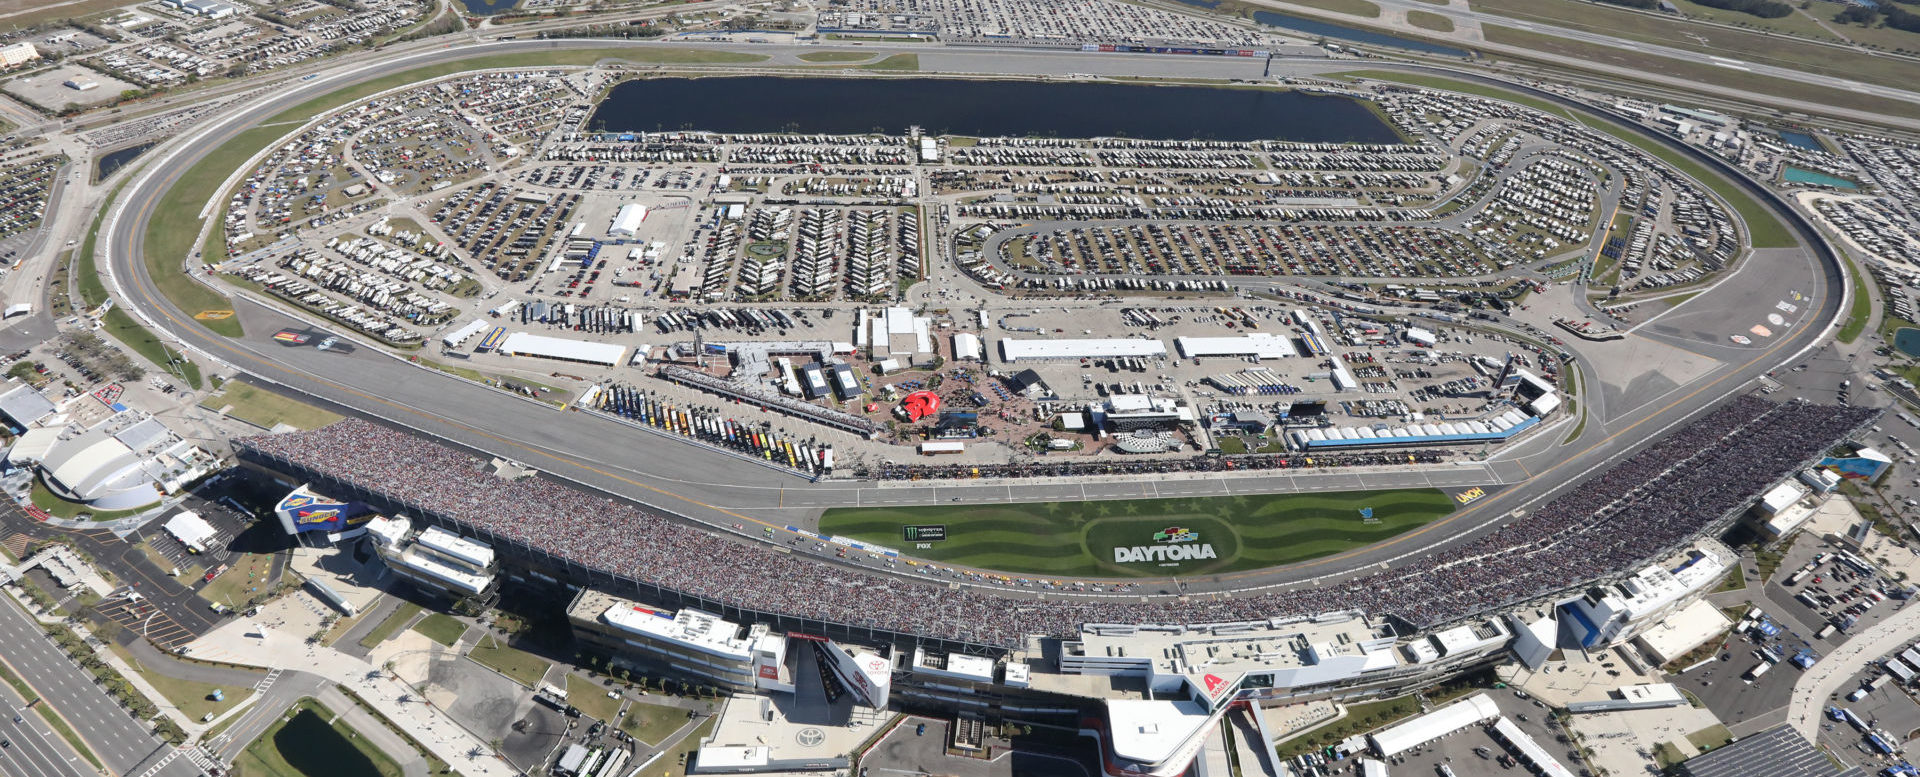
<point>1434,725</point>
<point>529,344</point>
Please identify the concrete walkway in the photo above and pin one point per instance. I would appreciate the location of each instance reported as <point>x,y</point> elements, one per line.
<point>411,764</point>
<point>241,642</point>
<point>1817,685</point>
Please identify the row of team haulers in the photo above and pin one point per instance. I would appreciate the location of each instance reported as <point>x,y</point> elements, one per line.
<point>704,425</point>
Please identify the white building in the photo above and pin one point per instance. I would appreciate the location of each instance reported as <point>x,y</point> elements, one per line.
<point>434,559</point>
<point>1613,613</point>
<point>129,460</point>
<point>627,221</point>
<point>18,54</point>
<point>1012,350</point>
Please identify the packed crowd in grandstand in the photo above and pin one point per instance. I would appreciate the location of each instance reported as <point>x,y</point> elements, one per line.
<point>1668,493</point>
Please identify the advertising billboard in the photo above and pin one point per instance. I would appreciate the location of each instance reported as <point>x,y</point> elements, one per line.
<point>302,511</point>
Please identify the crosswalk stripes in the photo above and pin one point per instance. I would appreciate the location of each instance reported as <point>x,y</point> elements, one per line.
<point>266,682</point>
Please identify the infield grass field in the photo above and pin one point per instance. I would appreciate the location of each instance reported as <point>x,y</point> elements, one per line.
<point>1077,539</point>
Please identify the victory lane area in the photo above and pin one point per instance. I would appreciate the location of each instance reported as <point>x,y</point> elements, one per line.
<point>1147,537</point>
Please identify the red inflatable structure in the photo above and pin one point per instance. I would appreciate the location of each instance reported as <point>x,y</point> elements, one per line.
<point>920,404</point>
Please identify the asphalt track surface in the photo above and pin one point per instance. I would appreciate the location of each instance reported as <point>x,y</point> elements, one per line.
<point>724,491</point>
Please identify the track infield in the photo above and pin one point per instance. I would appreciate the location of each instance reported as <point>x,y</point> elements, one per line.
<point>1084,539</point>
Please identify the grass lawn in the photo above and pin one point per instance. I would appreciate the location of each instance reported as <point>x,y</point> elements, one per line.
<point>309,724</point>
<point>1428,20</point>
<point>652,723</point>
<point>1547,48</point>
<point>689,743</point>
<point>525,668</point>
<point>1349,7</point>
<point>266,409</point>
<point>836,56</point>
<point>194,699</point>
<point>1078,538</point>
<point>1797,52</point>
<point>1734,581</point>
<point>93,290</point>
<point>1860,310</point>
<point>896,62</point>
<point>386,629</point>
<point>45,499</point>
<point>1710,737</point>
<point>591,698</point>
<point>122,326</point>
<point>1360,718</point>
<point>246,574</point>
<point>442,628</point>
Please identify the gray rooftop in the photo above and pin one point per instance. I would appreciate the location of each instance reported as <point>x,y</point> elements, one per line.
<point>24,405</point>
<point>1776,752</point>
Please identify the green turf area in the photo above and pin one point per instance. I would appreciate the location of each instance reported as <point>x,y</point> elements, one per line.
<point>244,580</point>
<point>1767,231</point>
<point>1078,539</point>
<point>591,699</point>
<point>525,668</point>
<point>263,757</point>
<point>1349,7</point>
<point>836,56</point>
<point>689,743</point>
<point>93,290</point>
<point>1710,737</point>
<point>1565,52</point>
<point>1428,20</point>
<point>896,62</point>
<point>652,723</point>
<point>45,499</point>
<point>122,326</point>
<point>194,699</point>
<point>385,630</point>
<point>1861,308</point>
<point>266,409</point>
<point>441,627</point>
<point>1810,47</point>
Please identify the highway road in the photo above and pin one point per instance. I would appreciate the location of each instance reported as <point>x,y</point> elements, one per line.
<point>125,745</point>
<point>722,491</point>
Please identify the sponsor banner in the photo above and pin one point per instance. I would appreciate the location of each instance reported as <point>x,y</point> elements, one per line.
<point>924,532</point>
<point>1174,543</point>
<point>1470,495</point>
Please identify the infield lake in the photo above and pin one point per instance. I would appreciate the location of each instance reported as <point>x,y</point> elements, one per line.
<point>848,106</point>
